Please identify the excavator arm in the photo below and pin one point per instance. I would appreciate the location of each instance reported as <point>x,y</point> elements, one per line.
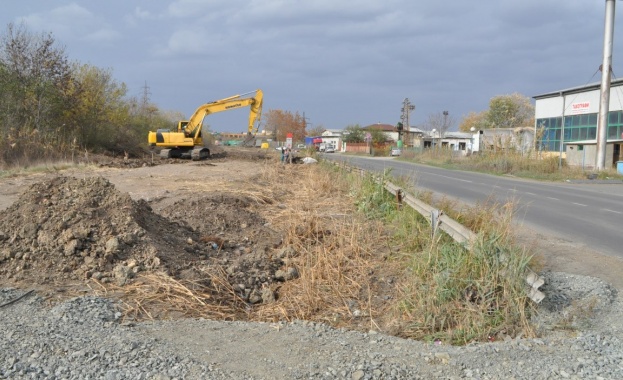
<point>233,102</point>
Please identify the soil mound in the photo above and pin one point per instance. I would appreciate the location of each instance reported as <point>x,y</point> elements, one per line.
<point>75,229</point>
<point>68,229</point>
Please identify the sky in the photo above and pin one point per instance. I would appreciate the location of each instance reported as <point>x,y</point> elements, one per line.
<point>337,62</point>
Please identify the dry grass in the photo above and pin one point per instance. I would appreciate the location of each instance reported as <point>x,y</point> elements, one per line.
<point>339,256</point>
<point>507,162</point>
<point>159,296</point>
<point>337,252</point>
<point>362,264</point>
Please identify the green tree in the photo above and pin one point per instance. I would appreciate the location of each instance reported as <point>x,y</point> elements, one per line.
<point>378,136</point>
<point>34,79</point>
<point>99,110</point>
<point>354,134</point>
<point>510,111</point>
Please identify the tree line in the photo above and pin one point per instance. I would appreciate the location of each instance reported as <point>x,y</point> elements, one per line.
<point>52,108</point>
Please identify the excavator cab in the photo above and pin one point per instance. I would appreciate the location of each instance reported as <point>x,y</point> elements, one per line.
<point>182,128</point>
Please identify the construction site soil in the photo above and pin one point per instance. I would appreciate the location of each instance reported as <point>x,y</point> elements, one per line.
<point>101,227</point>
<point>118,218</point>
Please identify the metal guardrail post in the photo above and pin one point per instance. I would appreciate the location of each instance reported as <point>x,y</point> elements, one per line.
<point>457,231</point>
<point>434,222</point>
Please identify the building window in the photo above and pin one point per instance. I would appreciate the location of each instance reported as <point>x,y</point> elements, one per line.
<point>577,128</point>
<point>592,119</point>
<point>575,134</point>
<point>592,133</point>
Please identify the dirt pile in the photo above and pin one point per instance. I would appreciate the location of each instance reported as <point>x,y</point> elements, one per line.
<point>67,229</point>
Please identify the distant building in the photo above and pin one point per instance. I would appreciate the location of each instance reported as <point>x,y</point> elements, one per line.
<point>570,116</point>
<point>333,137</point>
<point>411,137</point>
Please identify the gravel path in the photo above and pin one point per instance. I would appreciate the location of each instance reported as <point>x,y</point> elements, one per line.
<point>85,338</point>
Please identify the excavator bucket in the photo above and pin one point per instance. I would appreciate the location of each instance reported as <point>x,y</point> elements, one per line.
<point>249,140</point>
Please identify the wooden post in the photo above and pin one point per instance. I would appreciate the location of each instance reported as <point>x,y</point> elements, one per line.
<point>399,199</point>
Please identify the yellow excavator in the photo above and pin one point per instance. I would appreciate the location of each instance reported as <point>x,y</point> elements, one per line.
<point>186,142</point>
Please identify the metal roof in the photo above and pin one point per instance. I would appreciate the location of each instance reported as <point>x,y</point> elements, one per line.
<point>573,90</point>
<point>458,135</point>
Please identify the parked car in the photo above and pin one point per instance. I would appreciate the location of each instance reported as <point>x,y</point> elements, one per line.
<point>329,149</point>
<point>395,152</point>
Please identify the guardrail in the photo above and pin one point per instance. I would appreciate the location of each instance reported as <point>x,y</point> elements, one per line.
<point>437,218</point>
<point>456,230</point>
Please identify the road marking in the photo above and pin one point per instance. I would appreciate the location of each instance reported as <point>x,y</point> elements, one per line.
<point>554,199</point>
<point>578,204</point>
<point>530,193</point>
<point>608,210</point>
<point>454,178</point>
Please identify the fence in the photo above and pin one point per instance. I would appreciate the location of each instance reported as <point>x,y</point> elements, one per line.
<point>373,149</point>
<point>454,229</point>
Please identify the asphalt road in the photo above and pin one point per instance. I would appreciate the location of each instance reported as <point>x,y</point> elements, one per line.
<point>587,214</point>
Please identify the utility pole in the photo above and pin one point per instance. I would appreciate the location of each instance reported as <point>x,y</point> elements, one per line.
<point>305,121</point>
<point>406,109</point>
<point>604,104</point>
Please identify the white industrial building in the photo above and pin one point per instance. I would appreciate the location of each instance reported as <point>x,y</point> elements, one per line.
<point>568,122</point>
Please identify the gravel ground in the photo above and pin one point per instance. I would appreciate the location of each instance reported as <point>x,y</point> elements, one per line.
<point>85,338</point>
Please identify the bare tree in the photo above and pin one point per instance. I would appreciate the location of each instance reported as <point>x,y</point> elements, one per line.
<point>280,123</point>
<point>440,122</point>
<point>316,130</point>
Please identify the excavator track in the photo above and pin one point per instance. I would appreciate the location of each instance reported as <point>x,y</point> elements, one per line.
<point>165,153</point>
<point>200,153</point>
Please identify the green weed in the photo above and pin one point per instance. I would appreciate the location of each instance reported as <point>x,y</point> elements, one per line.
<point>453,293</point>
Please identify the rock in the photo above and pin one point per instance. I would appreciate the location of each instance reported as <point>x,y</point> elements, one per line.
<point>442,357</point>
<point>70,247</point>
<point>288,251</point>
<point>122,274</point>
<point>280,275</point>
<point>292,273</point>
<point>29,231</point>
<point>268,296</point>
<point>112,245</point>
